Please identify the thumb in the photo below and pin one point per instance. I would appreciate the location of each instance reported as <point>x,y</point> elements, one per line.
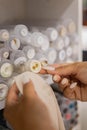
<point>29,90</point>
<point>65,70</point>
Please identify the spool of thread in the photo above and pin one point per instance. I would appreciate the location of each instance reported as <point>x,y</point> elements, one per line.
<point>51,33</point>
<point>26,40</point>
<point>66,40</point>
<point>69,51</point>
<point>62,55</point>
<point>4,53</point>
<point>33,66</point>
<point>59,44</point>
<point>4,35</point>
<point>6,69</point>
<point>37,39</point>
<point>46,44</point>
<point>29,52</point>
<point>51,55</point>
<point>13,43</point>
<point>21,30</point>
<point>70,25</point>
<point>18,57</point>
<point>62,31</point>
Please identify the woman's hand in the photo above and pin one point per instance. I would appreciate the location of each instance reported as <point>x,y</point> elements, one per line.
<point>71,78</point>
<point>26,112</point>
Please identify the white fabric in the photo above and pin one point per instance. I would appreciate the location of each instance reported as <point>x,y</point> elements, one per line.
<point>45,93</point>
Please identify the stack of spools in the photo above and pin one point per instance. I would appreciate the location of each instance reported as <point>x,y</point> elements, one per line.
<point>23,48</point>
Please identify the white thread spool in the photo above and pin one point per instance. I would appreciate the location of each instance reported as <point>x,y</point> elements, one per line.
<point>69,51</point>
<point>46,44</point>
<point>29,52</point>
<point>51,33</point>
<point>66,40</point>
<point>70,25</point>
<point>37,39</point>
<point>41,58</point>
<point>33,65</point>
<point>58,44</point>
<point>62,55</point>
<point>75,39</point>
<point>62,31</point>
<point>13,43</point>
<point>4,53</point>
<point>4,35</point>
<point>51,55</point>
<point>21,30</point>
<point>6,69</point>
<point>27,39</point>
<point>18,57</point>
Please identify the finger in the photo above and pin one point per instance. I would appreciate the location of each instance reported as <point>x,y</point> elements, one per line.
<point>64,70</point>
<point>13,95</point>
<point>56,78</point>
<point>65,82</point>
<point>69,93</point>
<point>43,71</point>
<point>29,90</point>
<point>73,93</point>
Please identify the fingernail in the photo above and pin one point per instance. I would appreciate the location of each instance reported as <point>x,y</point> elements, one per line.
<point>25,80</point>
<point>64,81</point>
<point>48,68</point>
<point>56,78</point>
<point>73,85</point>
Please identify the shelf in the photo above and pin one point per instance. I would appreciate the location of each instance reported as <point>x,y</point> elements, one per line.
<point>16,11</point>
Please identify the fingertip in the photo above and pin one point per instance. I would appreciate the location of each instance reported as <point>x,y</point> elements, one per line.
<point>56,78</point>
<point>42,71</point>
<point>65,81</point>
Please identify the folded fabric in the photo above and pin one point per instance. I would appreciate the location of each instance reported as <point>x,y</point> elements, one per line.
<point>45,93</point>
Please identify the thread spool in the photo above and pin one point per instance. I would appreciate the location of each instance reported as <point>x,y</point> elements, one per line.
<point>62,55</point>
<point>29,52</point>
<point>51,33</point>
<point>70,25</point>
<point>69,51</point>
<point>51,55</point>
<point>37,39</point>
<point>33,66</point>
<point>6,69</point>
<point>21,30</point>
<point>18,57</point>
<point>46,44</point>
<point>41,58</point>
<point>62,31</point>
<point>13,43</point>
<point>4,53</point>
<point>4,35</point>
<point>66,40</point>
<point>27,39</point>
<point>59,44</point>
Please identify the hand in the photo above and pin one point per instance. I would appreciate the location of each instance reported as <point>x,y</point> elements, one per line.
<point>72,79</point>
<point>26,112</point>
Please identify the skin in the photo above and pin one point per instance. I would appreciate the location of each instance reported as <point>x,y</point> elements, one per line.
<point>73,72</point>
<point>26,112</point>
